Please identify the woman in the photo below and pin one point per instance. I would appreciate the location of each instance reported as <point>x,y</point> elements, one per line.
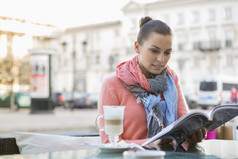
<point>147,86</point>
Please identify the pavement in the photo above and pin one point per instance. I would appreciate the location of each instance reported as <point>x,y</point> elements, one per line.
<point>61,121</point>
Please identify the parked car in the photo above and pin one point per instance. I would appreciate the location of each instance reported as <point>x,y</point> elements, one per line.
<point>58,99</point>
<point>86,100</point>
<point>70,98</point>
<point>22,100</point>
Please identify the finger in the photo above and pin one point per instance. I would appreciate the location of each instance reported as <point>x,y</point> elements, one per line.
<point>194,137</point>
<point>199,135</point>
<point>204,132</point>
<point>165,141</point>
<point>167,147</point>
<point>155,143</point>
<point>210,124</point>
<point>160,142</point>
<point>186,138</point>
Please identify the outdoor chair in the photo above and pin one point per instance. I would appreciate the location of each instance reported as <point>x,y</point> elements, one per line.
<point>8,146</point>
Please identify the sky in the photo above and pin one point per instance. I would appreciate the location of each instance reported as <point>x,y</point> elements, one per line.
<point>63,13</point>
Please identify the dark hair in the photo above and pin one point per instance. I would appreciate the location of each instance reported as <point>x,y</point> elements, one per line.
<point>148,25</point>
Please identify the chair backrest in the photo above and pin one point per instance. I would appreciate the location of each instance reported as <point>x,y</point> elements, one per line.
<point>8,146</point>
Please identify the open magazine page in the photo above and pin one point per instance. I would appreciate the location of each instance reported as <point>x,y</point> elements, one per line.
<point>223,114</point>
<point>191,121</point>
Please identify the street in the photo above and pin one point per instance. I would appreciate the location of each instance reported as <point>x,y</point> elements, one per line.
<point>62,121</point>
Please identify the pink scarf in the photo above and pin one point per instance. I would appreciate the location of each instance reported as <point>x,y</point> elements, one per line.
<point>130,73</point>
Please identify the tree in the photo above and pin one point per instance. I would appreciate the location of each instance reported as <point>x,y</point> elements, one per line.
<point>14,70</point>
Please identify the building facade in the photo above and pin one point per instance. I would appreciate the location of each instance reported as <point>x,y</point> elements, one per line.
<point>205,42</point>
<point>88,54</point>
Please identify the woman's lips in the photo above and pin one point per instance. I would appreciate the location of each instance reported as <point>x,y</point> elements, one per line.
<point>158,66</point>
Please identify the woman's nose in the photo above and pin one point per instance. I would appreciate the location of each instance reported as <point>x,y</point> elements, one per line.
<point>160,57</point>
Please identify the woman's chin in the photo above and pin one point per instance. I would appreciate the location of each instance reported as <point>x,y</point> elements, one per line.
<point>156,72</point>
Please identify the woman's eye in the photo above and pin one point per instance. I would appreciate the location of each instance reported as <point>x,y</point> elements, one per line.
<point>168,52</point>
<point>154,51</point>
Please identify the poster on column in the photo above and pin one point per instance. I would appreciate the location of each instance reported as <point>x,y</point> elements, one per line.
<point>40,76</point>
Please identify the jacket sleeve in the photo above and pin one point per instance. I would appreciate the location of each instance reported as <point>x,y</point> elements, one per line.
<point>108,96</point>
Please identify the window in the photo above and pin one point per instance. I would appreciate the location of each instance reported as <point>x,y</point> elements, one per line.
<point>196,61</point>
<point>180,18</point>
<point>211,15</point>
<point>180,46</point>
<point>229,38</point>
<point>113,59</point>
<point>228,86</point>
<point>97,60</point>
<point>212,35</point>
<point>213,61</point>
<point>229,60</point>
<point>195,16</point>
<point>196,40</point>
<point>208,86</point>
<point>196,45</point>
<point>228,13</point>
<point>181,41</point>
<point>228,43</point>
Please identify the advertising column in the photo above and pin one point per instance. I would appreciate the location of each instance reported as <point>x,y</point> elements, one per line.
<point>40,83</point>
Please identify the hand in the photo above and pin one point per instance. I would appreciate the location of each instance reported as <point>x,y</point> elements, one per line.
<point>164,144</point>
<point>197,136</point>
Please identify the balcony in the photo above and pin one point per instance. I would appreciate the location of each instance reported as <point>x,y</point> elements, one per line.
<point>214,45</point>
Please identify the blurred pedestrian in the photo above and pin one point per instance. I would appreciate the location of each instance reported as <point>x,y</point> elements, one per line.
<point>234,95</point>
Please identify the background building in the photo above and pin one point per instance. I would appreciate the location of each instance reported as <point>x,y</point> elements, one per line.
<point>205,43</point>
<point>88,54</point>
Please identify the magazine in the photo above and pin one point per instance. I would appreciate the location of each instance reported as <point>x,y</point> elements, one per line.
<point>195,120</point>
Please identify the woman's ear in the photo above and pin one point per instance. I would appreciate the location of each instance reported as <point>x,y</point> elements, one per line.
<point>137,47</point>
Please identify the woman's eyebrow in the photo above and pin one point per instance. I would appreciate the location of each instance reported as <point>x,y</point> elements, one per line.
<point>170,49</point>
<point>156,47</point>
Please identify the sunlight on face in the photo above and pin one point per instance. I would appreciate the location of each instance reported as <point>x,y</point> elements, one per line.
<point>154,53</point>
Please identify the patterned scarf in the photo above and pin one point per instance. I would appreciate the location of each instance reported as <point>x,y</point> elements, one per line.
<point>159,113</point>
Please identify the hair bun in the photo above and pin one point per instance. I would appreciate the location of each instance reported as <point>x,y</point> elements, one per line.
<point>144,20</point>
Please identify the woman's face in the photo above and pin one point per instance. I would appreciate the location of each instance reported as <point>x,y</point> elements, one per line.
<point>154,53</point>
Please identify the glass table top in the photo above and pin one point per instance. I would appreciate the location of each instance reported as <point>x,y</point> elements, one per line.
<point>208,149</point>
